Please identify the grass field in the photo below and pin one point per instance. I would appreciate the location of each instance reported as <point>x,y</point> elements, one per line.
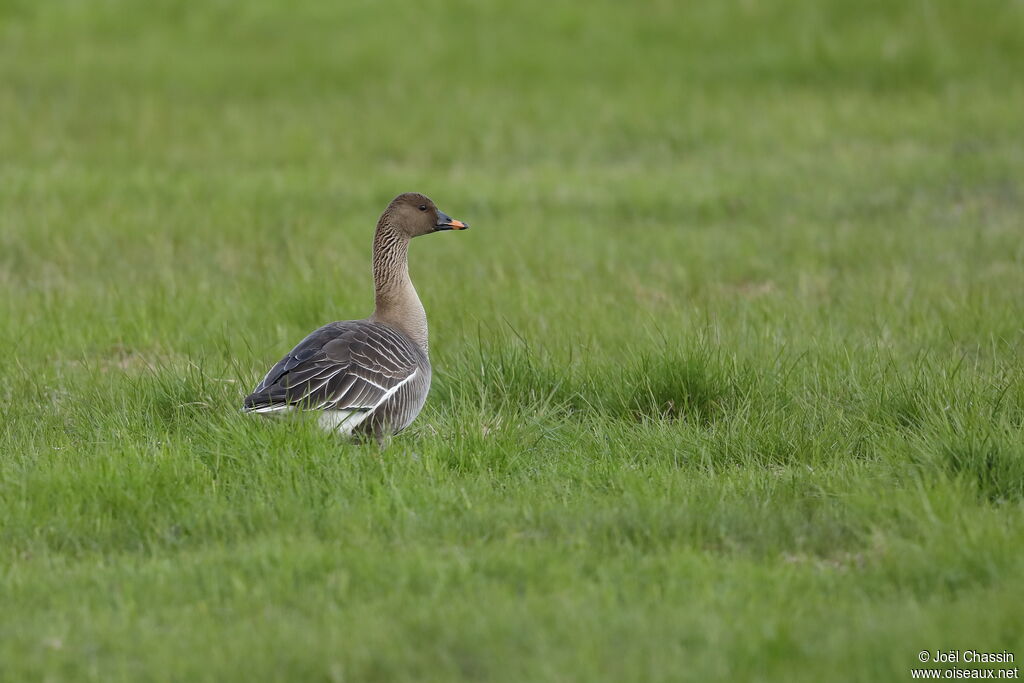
<point>728,372</point>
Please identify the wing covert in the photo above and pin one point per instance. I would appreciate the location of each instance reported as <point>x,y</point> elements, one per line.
<point>342,366</point>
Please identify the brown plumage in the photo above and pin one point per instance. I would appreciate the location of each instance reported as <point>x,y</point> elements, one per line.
<point>371,376</point>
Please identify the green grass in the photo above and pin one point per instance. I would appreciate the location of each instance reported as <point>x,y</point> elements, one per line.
<point>728,372</point>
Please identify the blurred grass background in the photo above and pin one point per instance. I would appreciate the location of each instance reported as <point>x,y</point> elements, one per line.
<point>727,373</point>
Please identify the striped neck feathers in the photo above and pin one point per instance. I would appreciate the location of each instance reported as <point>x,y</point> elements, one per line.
<point>397,303</point>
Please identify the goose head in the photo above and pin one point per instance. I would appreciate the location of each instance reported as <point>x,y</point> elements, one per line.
<point>415,214</point>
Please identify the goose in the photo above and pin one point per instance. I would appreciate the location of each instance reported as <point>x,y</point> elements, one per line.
<point>369,377</point>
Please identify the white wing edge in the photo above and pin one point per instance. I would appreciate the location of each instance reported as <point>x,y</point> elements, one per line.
<point>344,421</point>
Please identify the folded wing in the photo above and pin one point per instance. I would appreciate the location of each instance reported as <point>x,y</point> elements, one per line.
<point>350,366</point>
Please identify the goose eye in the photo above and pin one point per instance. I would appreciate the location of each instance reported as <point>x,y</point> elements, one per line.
<point>423,207</point>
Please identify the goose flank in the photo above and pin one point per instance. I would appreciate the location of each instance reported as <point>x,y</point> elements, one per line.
<point>366,377</point>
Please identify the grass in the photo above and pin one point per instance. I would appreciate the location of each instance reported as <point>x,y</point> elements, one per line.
<point>728,373</point>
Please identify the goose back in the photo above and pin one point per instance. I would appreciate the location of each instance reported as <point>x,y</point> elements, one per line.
<point>365,376</point>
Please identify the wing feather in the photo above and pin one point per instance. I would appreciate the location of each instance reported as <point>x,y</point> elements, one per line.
<point>351,366</point>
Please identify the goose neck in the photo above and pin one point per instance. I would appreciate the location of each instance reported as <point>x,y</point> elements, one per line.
<point>397,303</point>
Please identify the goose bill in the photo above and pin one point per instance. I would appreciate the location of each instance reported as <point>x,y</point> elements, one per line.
<point>446,222</point>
